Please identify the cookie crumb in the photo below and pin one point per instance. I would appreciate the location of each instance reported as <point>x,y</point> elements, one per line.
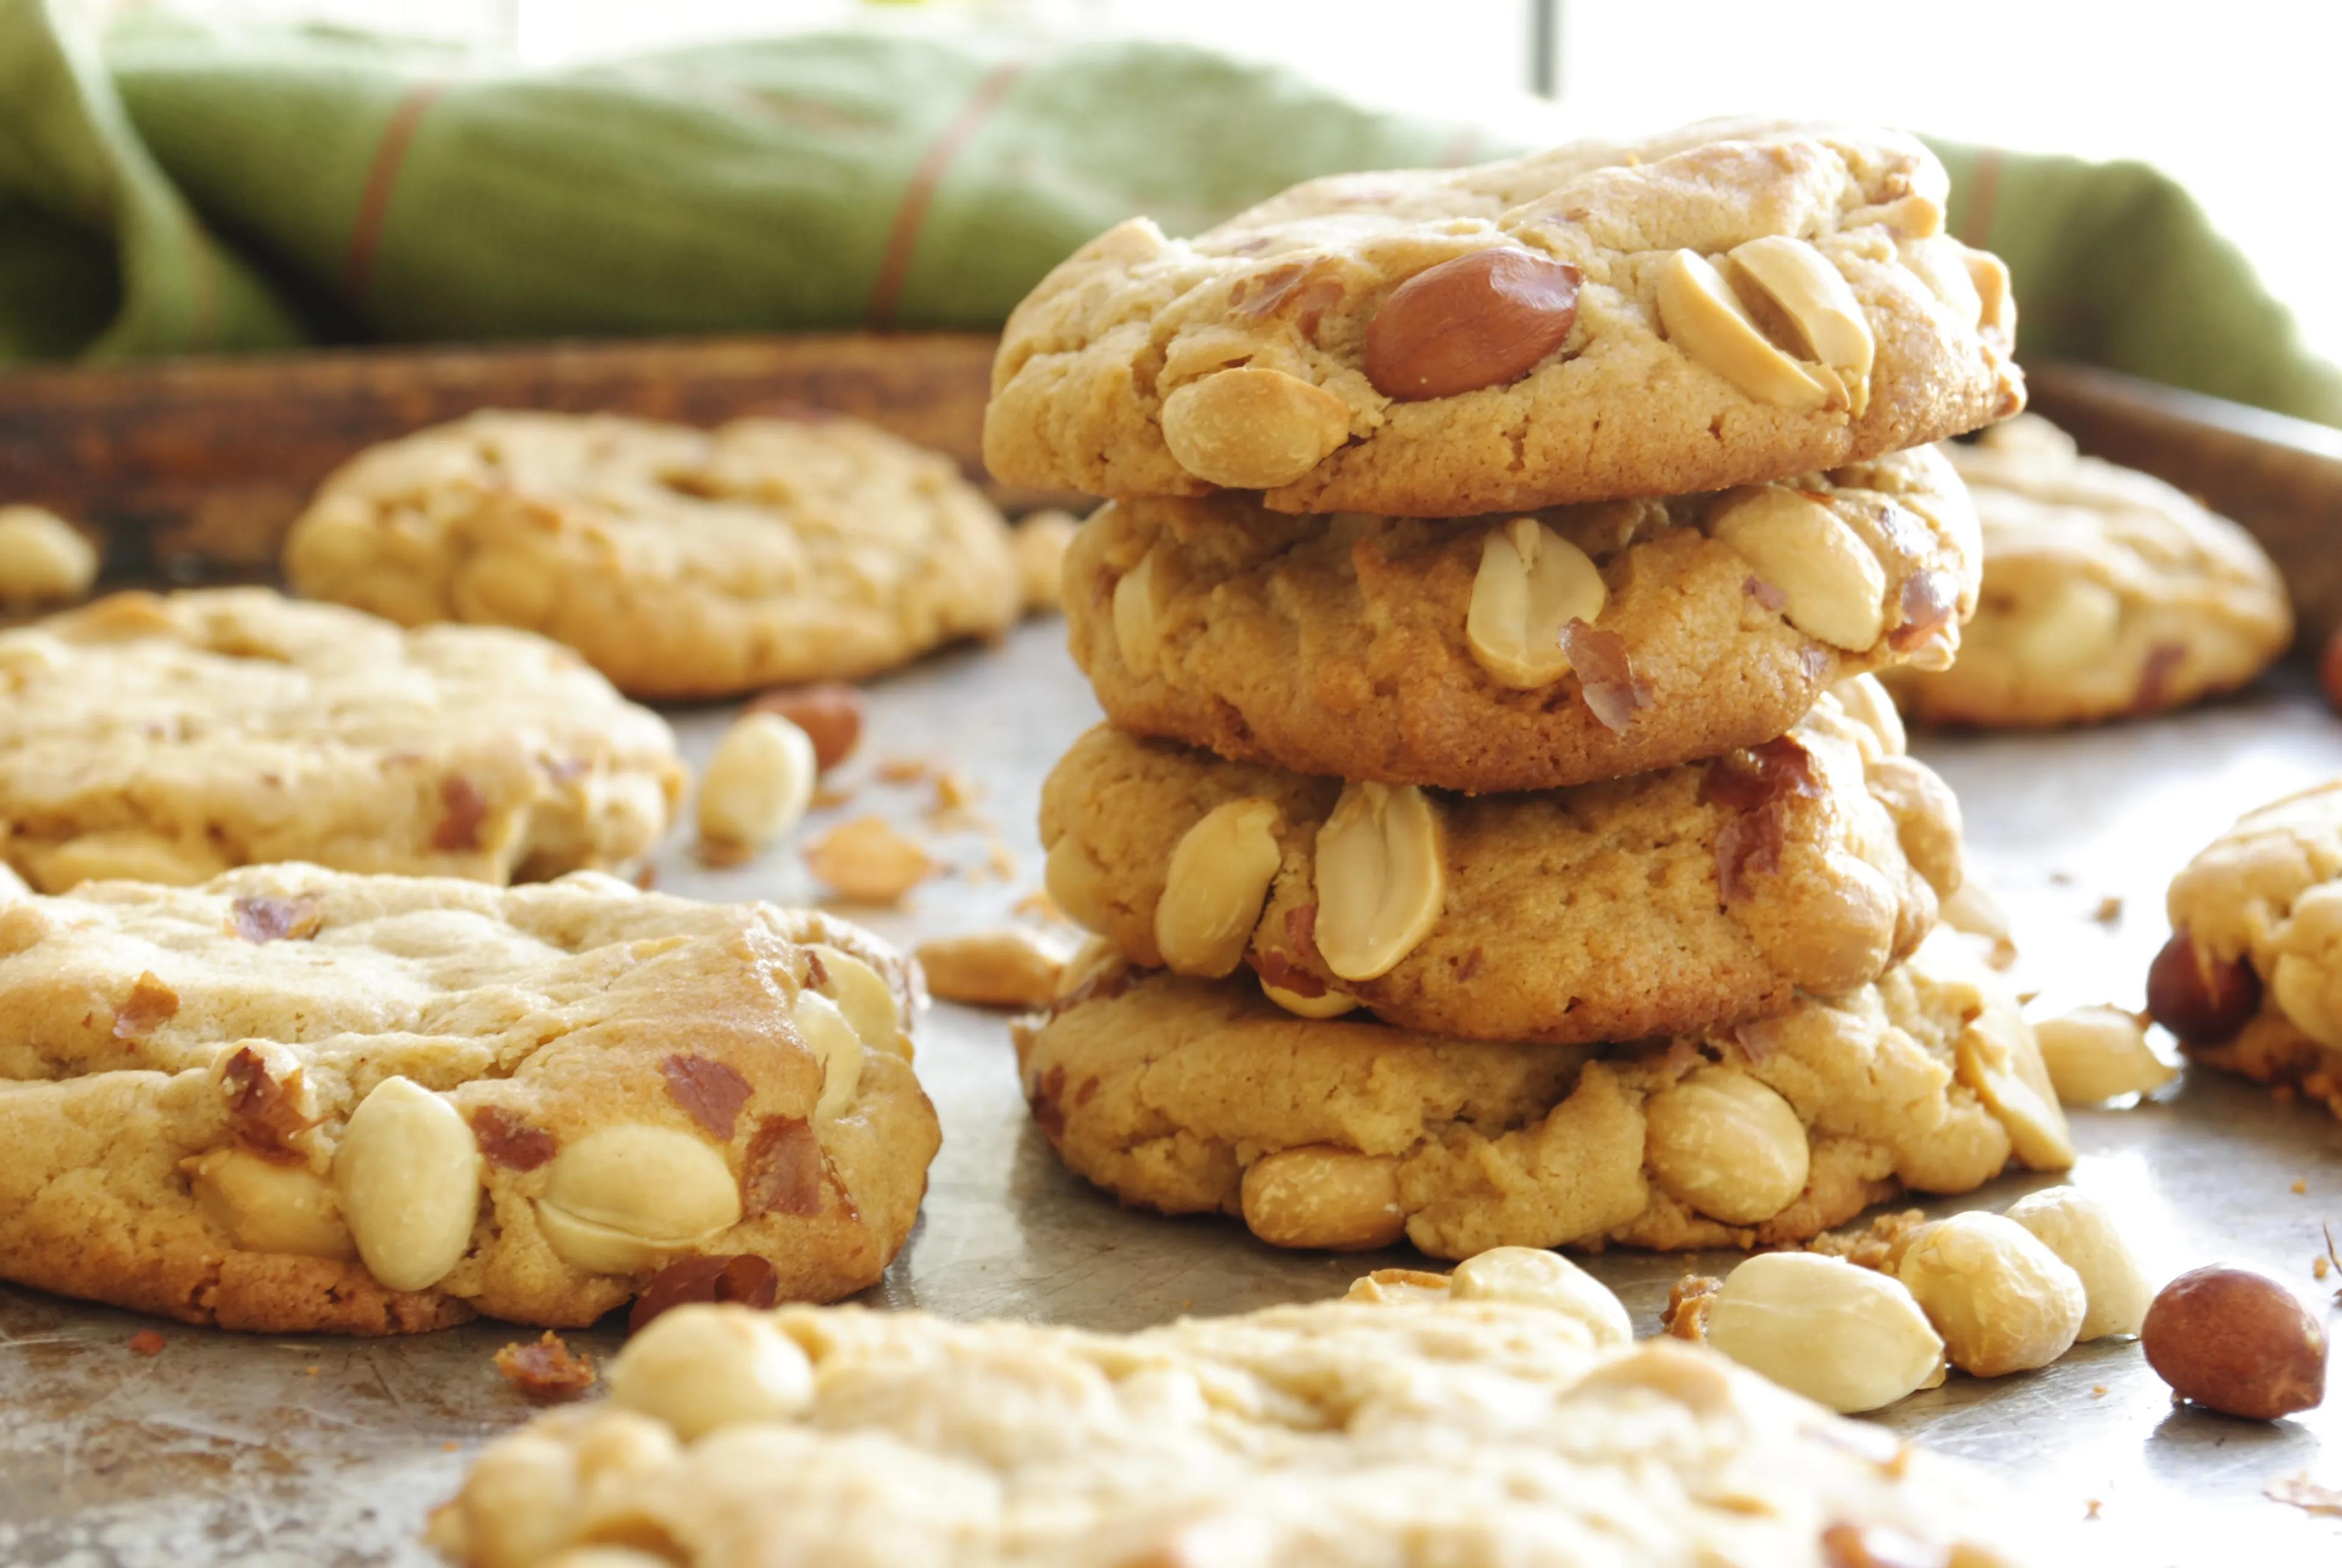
<point>1689,1301</point>
<point>1038,905</point>
<point>147,1342</point>
<point>2300,1492</point>
<point>954,792</point>
<point>2109,910</point>
<point>827,795</point>
<point>547,1370</point>
<point>647,878</point>
<point>869,861</point>
<point>2301,1187</point>
<point>309,1371</point>
<point>2090,1507</point>
<point>903,770</point>
<point>2097,1390</point>
<point>1872,1245</point>
<point>450,1446</point>
<point>2319,1267</point>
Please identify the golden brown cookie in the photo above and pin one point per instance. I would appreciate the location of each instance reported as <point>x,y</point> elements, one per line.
<point>2251,980</point>
<point>1517,653</point>
<point>1191,1096</point>
<point>1494,1416</point>
<point>296,1100</point>
<point>1726,304</point>
<point>1661,904</point>
<point>682,562</point>
<point>2106,592</point>
<point>167,738</point>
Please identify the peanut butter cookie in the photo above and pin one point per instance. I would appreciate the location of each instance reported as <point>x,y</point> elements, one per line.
<point>1730,303</point>
<point>1657,905</point>
<point>2251,980</point>
<point>1517,652</point>
<point>2106,592</point>
<point>1195,1096</point>
<point>682,562</point>
<point>165,738</point>
<point>296,1100</point>
<point>1498,1415</point>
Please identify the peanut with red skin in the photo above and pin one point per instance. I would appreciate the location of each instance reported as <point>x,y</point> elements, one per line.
<point>2235,1342</point>
<point>2201,999</point>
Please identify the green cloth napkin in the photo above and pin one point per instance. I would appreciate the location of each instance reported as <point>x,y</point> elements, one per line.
<point>205,188</point>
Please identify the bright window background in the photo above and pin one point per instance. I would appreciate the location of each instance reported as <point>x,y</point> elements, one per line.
<point>2242,100</point>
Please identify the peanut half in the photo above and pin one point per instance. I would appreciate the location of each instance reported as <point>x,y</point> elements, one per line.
<point>1212,893</point>
<point>1381,878</point>
<point>2095,1053</point>
<point>1812,293</point>
<point>1845,1336</point>
<point>270,1208</point>
<point>1836,588</point>
<point>1702,316</point>
<point>1531,583</point>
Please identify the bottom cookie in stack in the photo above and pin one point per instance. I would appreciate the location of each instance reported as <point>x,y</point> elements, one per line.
<point>1191,1096</point>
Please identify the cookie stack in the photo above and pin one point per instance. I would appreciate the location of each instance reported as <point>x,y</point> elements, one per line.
<point>1498,838</point>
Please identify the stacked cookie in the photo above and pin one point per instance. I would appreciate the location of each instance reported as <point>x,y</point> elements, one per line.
<point>1529,859</point>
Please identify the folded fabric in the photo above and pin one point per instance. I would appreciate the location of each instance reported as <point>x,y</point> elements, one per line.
<point>207,188</point>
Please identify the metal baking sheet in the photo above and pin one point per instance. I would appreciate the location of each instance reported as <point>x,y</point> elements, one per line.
<point>269,1450</point>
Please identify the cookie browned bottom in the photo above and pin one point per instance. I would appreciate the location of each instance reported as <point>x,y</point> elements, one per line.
<point>1192,1096</point>
<point>1414,652</point>
<point>1663,903</point>
<point>296,1100</point>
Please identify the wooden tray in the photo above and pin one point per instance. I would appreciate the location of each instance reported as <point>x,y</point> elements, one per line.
<point>199,466</point>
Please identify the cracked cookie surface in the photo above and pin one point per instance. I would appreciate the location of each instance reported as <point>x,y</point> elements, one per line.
<point>1422,652</point>
<point>1190,1096</point>
<point>167,737</point>
<point>2252,982</point>
<point>1672,901</point>
<point>296,1100</point>
<point>1726,304</point>
<point>2106,592</point>
<point>681,562</point>
<point>1497,1415</point>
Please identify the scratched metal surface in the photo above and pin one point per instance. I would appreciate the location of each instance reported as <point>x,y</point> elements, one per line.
<point>267,1452</point>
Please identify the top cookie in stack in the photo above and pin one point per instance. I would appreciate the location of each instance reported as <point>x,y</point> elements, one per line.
<point>1592,484</point>
<point>1728,304</point>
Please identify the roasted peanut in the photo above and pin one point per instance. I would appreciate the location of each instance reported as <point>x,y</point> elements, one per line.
<point>1531,583</point>
<point>1847,1337</point>
<point>626,1198</point>
<point>1836,588</point>
<point>1381,880</point>
<point>1812,293</point>
<point>1535,1277</point>
<point>1700,315</point>
<point>1727,1146</point>
<point>2235,1342</point>
<point>759,782</point>
<point>1217,882</point>
<point>2095,1053</point>
<point>2081,1230</point>
<point>2003,1302</point>
<point>407,1176</point>
<point>1481,319</point>
<point>830,713</point>
<point>43,558</point>
<point>1252,428</point>
<point>703,1367</point>
<point>1319,1196</point>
